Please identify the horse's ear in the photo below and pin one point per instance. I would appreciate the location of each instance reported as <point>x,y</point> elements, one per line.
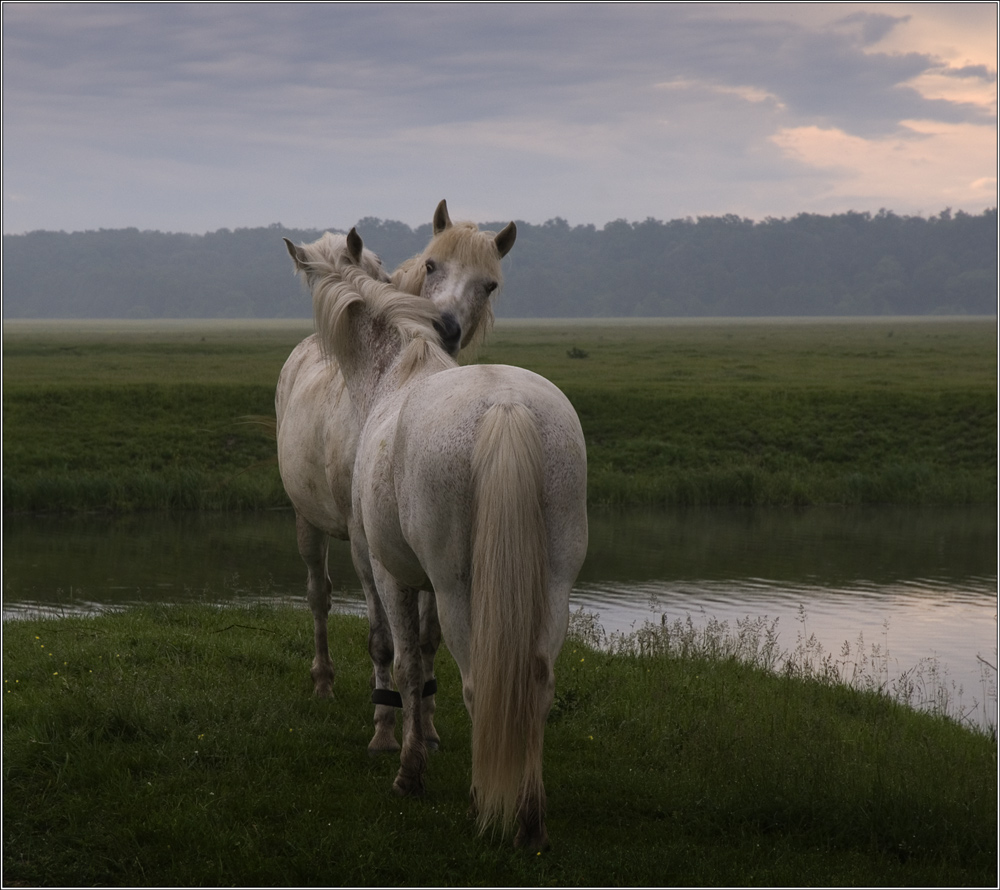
<point>504,241</point>
<point>441,219</point>
<point>354,246</point>
<point>296,254</point>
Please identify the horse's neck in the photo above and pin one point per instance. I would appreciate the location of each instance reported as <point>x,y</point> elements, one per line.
<point>370,365</point>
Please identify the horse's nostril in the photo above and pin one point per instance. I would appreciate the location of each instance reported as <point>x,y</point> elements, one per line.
<point>450,332</point>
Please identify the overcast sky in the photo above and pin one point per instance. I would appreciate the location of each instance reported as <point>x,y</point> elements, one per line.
<point>194,117</point>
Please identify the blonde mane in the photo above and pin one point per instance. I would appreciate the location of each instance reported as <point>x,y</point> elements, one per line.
<point>338,284</point>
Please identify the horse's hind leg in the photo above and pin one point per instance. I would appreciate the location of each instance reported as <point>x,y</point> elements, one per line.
<point>403,610</point>
<point>531,833</point>
<point>430,640</point>
<point>379,648</point>
<point>381,651</point>
<point>312,548</point>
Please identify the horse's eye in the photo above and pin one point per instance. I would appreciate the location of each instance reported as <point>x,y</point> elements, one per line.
<point>430,266</point>
<point>490,287</point>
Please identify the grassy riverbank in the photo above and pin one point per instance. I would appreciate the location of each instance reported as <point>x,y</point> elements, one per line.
<point>182,746</point>
<point>123,416</point>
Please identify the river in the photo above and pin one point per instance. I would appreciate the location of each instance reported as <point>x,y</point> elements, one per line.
<point>907,593</point>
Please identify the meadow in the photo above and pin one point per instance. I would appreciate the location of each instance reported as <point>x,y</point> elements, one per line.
<point>120,416</point>
<point>182,746</point>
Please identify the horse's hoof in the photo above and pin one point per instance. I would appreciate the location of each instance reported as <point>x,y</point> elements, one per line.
<point>383,746</point>
<point>404,788</point>
<point>535,842</point>
<point>322,681</point>
<point>322,684</point>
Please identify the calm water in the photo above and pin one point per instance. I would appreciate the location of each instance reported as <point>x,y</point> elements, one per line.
<point>919,584</point>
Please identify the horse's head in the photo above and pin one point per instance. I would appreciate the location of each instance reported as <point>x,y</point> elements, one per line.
<point>342,274</point>
<point>459,271</point>
<point>335,252</point>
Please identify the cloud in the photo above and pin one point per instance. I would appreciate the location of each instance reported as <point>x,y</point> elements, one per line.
<point>747,93</point>
<point>873,27</point>
<point>972,72</point>
<point>948,158</point>
<point>185,115</point>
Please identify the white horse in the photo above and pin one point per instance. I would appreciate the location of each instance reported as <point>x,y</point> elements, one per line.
<point>472,481</point>
<point>317,431</point>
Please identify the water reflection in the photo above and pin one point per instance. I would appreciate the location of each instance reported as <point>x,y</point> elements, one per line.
<point>826,545</point>
<point>919,583</point>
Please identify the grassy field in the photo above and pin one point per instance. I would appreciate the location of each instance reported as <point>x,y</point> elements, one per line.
<point>182,746</point>
<point>120,416</point>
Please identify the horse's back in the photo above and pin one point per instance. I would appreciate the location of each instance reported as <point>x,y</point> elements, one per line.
<point>317,437</point>
<point>441,415</point>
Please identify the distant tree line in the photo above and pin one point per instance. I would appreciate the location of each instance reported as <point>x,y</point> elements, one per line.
<point>844,264</point>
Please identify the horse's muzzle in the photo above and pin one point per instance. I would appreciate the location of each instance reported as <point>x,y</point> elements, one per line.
<point>450,332</point>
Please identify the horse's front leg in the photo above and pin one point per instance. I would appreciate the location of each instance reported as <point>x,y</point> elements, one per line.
<point>379,648</point>
<point>403,610</point>
<point>430,640</point>
<point>313,545</point>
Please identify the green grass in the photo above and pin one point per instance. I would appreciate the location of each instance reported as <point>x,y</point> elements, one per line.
<point>124,416</point>
<point>134,446</point>
<point>165,353</point>
<point>182,746</point>
<point>776,412</point>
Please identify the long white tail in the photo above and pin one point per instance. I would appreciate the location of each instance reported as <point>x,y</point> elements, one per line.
<point>508,608</point>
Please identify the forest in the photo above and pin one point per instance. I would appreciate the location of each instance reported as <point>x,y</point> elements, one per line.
<point>849,264</point>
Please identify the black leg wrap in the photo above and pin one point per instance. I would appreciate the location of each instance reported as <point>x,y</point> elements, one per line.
<point>394,700</point>
<point>387,697</point>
